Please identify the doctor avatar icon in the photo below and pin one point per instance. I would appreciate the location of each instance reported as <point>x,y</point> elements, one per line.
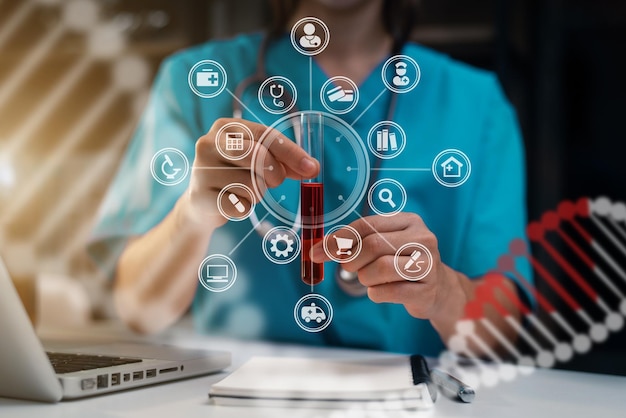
<point>235,202</point>
<point>401,74</point>
<point>386,139</point>
<point>400,79</point>
<point>310,40</point>
<point>387,197</point>
<point>207,79</point>
<point>169,166</point>
<point>451,168</point>
<point>339,95</point>
<point>217,273</point>
<point>313,313</point>
<point>413,261</point>
<point>310,36</point>
<point>277,95</point>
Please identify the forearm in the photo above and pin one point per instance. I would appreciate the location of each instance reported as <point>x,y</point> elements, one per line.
<point>156,274</point>
<point>462,290</point>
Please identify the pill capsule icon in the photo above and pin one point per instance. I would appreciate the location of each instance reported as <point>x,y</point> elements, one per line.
<point>236,203</point>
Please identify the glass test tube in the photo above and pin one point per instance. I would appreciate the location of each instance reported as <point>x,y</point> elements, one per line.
<point>312,196</point>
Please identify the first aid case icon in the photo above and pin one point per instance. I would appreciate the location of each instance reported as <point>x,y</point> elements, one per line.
<point>207,79</point>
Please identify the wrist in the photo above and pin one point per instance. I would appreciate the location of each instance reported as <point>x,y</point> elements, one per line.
<point>189,218</point>
<point>450,306</point>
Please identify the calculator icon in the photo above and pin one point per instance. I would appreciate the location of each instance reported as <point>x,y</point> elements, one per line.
<point>234,141</point>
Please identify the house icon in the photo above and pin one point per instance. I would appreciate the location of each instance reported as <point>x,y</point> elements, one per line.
<point>452,168</point>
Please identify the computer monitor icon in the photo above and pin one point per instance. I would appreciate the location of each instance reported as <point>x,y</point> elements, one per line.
<point>217,273</point>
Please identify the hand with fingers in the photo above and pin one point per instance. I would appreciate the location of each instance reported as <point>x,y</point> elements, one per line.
<point>216,167</point>
<point>387,269</point>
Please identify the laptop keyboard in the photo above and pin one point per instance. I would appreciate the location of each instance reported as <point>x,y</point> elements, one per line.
<point>69,362</point>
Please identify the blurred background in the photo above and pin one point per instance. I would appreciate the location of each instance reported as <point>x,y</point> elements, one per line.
<point>75,75</point>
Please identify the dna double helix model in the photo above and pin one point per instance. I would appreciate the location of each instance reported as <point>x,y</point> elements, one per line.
<point>577,297</point>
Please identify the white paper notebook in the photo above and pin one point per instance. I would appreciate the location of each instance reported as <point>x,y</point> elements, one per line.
<point>322,383</point>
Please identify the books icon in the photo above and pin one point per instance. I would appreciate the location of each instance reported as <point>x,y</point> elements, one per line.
<point>386,141</point>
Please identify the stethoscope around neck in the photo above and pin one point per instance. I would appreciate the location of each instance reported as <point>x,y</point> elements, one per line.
<point>347,281</point>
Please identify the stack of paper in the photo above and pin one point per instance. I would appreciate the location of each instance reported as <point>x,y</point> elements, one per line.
<point>302,382</point>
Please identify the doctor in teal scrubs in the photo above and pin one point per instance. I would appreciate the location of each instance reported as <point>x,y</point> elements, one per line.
<point>154,237</point>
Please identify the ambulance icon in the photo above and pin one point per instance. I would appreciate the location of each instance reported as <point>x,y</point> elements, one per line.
<point>312,313</point>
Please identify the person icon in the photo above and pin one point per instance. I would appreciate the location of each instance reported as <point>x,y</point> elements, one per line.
<point>310,40</point>
<point>400,79</point>
<point>309,36</point>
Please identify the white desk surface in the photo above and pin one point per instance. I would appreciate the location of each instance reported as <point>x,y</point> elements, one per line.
<point>545,393</point>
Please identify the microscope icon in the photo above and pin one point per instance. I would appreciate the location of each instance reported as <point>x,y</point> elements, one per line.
<point>169,166</point>
<point>169,175</point>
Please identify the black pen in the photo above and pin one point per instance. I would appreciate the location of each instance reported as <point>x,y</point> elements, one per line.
<point>421,375</point>
<point>452,386</point>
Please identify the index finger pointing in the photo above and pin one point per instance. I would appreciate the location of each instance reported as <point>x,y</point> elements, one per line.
<point>379,225</point>
<point>297,162</point>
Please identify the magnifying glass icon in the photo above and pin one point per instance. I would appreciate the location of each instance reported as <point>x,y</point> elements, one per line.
<point>385,196</point>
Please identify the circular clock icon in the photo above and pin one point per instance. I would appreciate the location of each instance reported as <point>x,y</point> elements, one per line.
<point>344,162</point>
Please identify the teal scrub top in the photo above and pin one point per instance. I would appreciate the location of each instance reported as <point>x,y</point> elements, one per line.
<point>454,106</point>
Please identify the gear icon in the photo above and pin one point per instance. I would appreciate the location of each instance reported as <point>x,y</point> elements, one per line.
<point>281,245</point>
<point>287,243</point>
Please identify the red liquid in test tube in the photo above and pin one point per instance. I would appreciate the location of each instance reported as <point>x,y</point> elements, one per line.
<point>312,197</point>
<point>312,201</point>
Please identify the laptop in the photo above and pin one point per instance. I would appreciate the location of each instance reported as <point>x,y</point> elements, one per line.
<point>27,371</point>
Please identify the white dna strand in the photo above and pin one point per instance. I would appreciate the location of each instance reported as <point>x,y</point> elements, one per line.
<point>106,42</point>
<point>579,259</point>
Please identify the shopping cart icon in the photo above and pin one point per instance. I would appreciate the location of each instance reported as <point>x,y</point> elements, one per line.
<point>344,245</point>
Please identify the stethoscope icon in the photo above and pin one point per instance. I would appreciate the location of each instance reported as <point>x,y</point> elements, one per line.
<point>277,96</point>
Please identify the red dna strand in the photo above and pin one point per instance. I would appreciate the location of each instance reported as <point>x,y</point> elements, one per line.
<point>593,235</point>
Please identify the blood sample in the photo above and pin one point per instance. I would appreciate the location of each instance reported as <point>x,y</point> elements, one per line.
<point>312,196</point>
